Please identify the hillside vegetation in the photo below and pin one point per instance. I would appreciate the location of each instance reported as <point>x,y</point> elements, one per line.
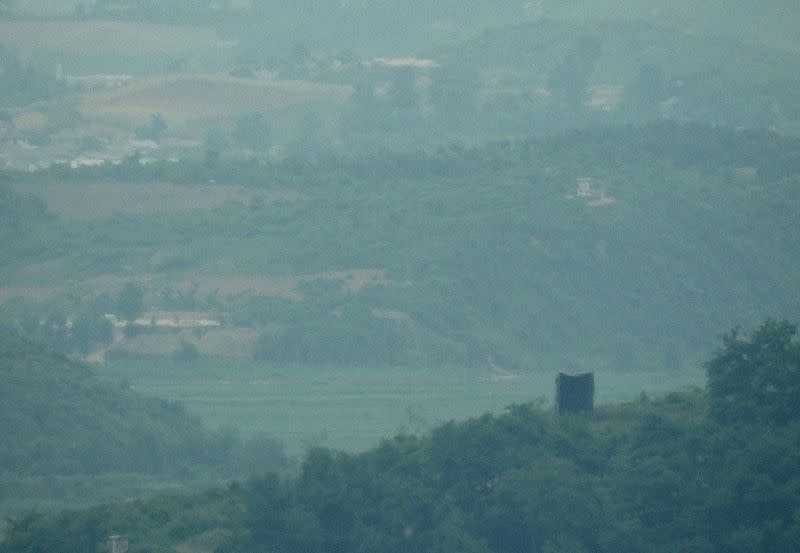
<point>476,74</point>
<point>59,418</point>
<point>608,248</point>
<point>687,472</point>
<point>551,75</point>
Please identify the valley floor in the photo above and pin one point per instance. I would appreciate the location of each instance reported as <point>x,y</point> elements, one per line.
<point>352,409</point>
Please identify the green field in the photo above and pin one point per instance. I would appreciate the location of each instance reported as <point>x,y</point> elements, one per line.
<point>354,408</point>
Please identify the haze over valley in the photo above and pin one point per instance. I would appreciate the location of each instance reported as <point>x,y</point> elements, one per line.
<point>301,277</point>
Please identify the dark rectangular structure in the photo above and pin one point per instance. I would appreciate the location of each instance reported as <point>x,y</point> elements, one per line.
<point>574,393</point>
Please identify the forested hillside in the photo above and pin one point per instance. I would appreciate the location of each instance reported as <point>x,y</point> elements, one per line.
<point>609,248</point>
<point>695,471</point>
<point>59,418</point>
<point>315,78</point>
<point>550,75</point>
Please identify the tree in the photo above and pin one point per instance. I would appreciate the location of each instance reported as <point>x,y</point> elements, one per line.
<point>130,303</point>
<point>454,95</point>
<point>570,79</point>
<point>403,94</point>
<point>186,353</point>
<point>154,130</point>
<point>89,329</point>
<point>253,131</point>
<point>22,83</point>
<point>756,379</point>
<point>216,141</point>
<point>312,137</point>
<point>364,111</point>
<point>646,91</point>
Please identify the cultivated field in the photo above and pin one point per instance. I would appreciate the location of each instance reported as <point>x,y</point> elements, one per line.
<point>354,408</point>
<point>97,200</point>
<point>115,37</point>
<point>183,98</point>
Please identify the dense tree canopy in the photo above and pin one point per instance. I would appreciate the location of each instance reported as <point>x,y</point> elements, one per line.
<point>130,303</point>
<point>487,254</point>
<point>757,379</point>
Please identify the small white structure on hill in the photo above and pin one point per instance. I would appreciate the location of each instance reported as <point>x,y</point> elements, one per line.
<point>590,194</point>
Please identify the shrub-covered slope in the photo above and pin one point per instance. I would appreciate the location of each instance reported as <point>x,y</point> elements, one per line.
<point>57,417</point>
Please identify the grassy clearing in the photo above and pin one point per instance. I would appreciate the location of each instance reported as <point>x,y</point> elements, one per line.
<point>354,408</point>
<point>182,98</point>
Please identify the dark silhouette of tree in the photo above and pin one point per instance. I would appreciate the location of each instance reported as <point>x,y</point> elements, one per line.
<point>364,111</point>
<point>454,95</point>
<point>646,91</point>
<point>756,379</point>
<point>570,79</point>
<point>253,131</point>
<point>130,303</point>
<point>154,129</point>
<point>403,95</point>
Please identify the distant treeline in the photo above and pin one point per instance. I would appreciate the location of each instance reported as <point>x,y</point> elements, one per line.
<point>23,83</point>
<point>683,145</point>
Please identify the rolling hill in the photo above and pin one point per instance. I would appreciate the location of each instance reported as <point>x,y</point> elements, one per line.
<point>59,418</point>
<point>609,248</point>
<point>625,71</point>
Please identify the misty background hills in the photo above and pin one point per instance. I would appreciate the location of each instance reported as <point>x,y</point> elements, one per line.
<point>612,248</point>
<point>326,221</point>
<point>485,186</point>
<point>362,25</point>
<point>215,82</point>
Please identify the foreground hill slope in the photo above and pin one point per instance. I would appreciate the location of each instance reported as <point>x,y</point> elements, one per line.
<point>690,472</point>
<point>58,417</point>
